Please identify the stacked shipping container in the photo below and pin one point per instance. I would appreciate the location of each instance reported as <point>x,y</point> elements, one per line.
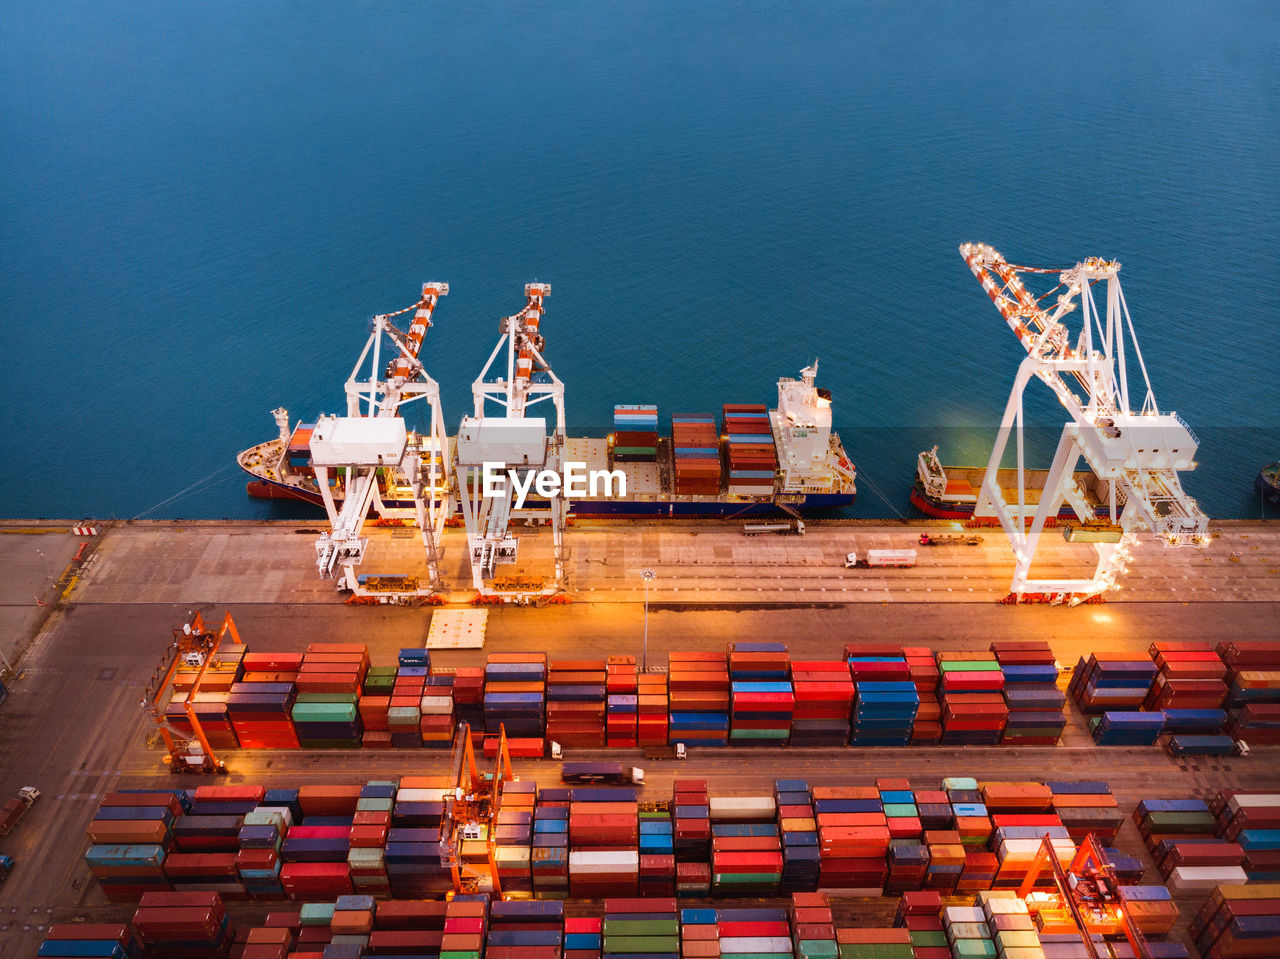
<point>695,443</point>
<point>763,702</point>
<point>973,705</point>
<point>635,434</point>
<point>698,690</point>
<point>1031,693</point>
<point>750,456</point>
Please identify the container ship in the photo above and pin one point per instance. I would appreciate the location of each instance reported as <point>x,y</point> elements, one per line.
<point>748,461</point>
<point>951,492</point>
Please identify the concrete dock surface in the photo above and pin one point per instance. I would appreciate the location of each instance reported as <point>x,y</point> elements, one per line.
<point>74,726</point>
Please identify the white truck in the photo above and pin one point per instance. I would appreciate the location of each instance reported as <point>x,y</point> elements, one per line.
<point>881,558</point>
<point>784,528</point>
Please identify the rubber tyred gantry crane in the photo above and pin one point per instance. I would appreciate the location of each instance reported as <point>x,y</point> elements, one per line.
<point>193,645</point>
<point>472,802</point>
<point>1138,453</point>
<point>1089,892</point>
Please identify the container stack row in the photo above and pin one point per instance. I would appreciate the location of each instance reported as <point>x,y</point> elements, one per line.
<point>577,691</point>
<point>885,699</point>
<point>746,849</point>
<point>823,702</point>
<point>1239,921</point>
<point>515,692</point>
<point>1111,681</point>
<point>699,694</point>
<point>763,702</point>
<point>635,434</point>
<point>798,831</point>
<point>1235,921</point>
<point>974,712</point>
<point>695,444</point>
<point>750,456</point>
<point>622,703</point>
<point>1031,693</point>
<point>1251,819</point>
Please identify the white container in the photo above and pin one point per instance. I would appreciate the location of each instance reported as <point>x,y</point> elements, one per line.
<point>420,795</point>
<point>1206,877</point>
<point>436,705</point>
<point>742,807</point>
<point>755,944</point>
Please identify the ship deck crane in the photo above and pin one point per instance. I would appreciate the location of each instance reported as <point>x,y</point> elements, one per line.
<point>372,438</point>
<point>1089,892</point>
<point>1138,454</point>
<point>471,806</point>
<point>192,645</point>
<point>511,441</point>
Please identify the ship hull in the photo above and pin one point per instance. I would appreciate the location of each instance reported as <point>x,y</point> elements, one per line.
<point>275,490</point>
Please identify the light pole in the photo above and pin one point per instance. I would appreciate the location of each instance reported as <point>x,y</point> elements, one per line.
<point>646,574</point>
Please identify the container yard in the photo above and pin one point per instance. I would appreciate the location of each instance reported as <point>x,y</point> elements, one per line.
<point>887,767</point>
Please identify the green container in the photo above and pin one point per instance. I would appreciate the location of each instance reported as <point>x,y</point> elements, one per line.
<point>922,938</point>
<point>901,810</point>
<point>744,878</point>
<point>403,716</point>
<point>327,698</point>
<point>819,949</point>
<point>784,733</point>
<point>959,782</point>
<point>324,712</point>
<point>374,804</point>
<point>316,913</point>
<point>635,450</point>
<point>973,949</point>
<point>970,666</point>
<point>876,950</point>
<point>641,927</point>
<point>1190,821</point>
<point>640,944</point>
<point>460,954</point>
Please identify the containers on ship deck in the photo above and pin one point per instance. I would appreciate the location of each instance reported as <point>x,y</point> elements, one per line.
<point>750,455</point>
<point>635,433</point>
<point>695,441</point>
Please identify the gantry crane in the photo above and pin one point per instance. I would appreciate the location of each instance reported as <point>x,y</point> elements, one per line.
<point>372,439</point>
<point>511,441</point>
<point>1139,454</point>
<point>193,645</point>
<point>471,806</point>
<point>1090,892</point>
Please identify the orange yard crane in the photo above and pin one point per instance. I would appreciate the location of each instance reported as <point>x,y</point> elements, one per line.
<point>471,805</point>
<point>193,645</point>
<point>1090,892</point>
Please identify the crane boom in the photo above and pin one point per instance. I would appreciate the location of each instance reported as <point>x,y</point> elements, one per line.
<point>1138,454</point>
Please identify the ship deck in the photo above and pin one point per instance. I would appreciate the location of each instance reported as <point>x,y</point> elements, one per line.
<point>964,483</point>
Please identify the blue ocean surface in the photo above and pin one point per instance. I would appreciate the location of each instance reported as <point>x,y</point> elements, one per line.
<point>202,204</point>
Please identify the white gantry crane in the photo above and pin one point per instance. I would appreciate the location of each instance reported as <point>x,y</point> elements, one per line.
<point>372,437</point>
<point>511,444</point>
<point>1138,454</point>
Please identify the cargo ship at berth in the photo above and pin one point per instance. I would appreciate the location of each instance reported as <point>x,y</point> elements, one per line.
<point>749,461</point>
<point>951,492</point>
